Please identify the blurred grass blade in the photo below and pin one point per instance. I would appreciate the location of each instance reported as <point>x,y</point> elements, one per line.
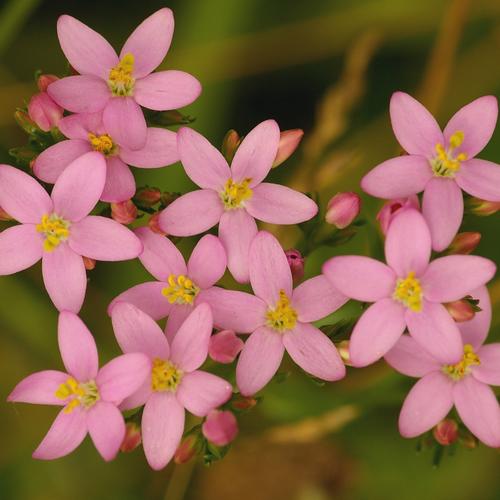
<point>12,17</point>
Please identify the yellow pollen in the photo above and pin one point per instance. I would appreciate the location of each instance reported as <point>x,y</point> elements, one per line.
<point>120,80</point>
<point>165,376</point>
<point>102,143</point>
<point>84,394</point>
<point>55,229</point>
<point>409,292</point>
<point>181,290</point>
<point>283,317</point>
<point>462,368</point>
<point>235,194</point>
<point>446,163</point>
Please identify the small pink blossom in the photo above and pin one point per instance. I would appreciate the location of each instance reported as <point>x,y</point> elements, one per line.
<point>220,427</point>
<point>224,346</point>
<point>342,209</point>
<point>392,207</point>
<point>44,111</point>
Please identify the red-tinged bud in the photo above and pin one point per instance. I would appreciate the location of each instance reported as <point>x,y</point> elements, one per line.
<point>220,427</point>
<point>4,216</point>
<point>44,81</point>
<point>389,210</point>
<point>289,142</point>
<point>89,263</point>
<point>44,111</point>
<point>483,207</point>
<point>243,403</point>
<point>296,263</point>
<point>154,225</point>
<point>187,450</point>
<point>225,346</point>
<point>24,121</point>
<point>343,349</point>
<point>468,440</point>
<point>446,432</point>
<point>147,196</point>
<point>342,209</point>
<point>230,144</point>
<point>124,212</point>
<point>132,438</point>
<point>167,198</point>
<point>460,310</point>
<point>464,243</point>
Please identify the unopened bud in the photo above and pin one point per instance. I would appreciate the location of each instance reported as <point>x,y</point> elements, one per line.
<point>389,210</point>
<point>343,349</point>
<point>154,225</point>
<point>460,310</point>
<point>4,216</point>
<point>468,440</point>
<point>296,263</point>
<point>225,346</point>
<point>465,243</point>
<point>230,144</point>
<point>187,449</point>
<point>446,432</point>
<point>132,437</point>
<point>44,111</point>
<point>220,427</point>
<point>44,81</point>
<point>167,198</point>
<point>147,196</point>
<point>243,403</point>
<point>342,209</point>
<point>124,212</point>
<point>89,263</point>
<point>289,142</point>
<point>24,121</point>
<point>482,207</point>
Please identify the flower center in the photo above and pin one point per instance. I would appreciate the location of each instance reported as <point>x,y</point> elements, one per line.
<point>120,80</point>
<point>84,394</point>
<point>165,376</point>
<point>181,290</point>
<point>55,229</point>
<point>102,143</point>
<point>462,368</point>
<point>446,163</point>
<point>235,194</point>
<point>283,317</point>
<point>409,292</point>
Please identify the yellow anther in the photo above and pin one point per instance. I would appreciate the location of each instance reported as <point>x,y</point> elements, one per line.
<point>409,292</point>
<point>84,394</point>
<point>283,317</point>
<point>55,229</point>
<point>456,139</point>
<point>446,163</point>
<point>181,290</point>
<point>165,376</point>
<point>235,194</point>
<point>102,143</point>
<point>120,80</point>
<point>462,368</point>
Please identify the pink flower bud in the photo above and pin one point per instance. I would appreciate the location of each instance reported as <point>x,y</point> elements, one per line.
<point>154,225</point>
<point>483,207</point>
<point>230,144</point>
<point>148,196</point>
<point>392,207</point>
<point>44,81</point>
<point>342,209</point>
<point>460,310</point>
<point>446,432</point>
<point>296,263</point>
<point>186,450</point>
<point>44,111</point>
<point>464,243</point>
<point>289,142</point>
<point>220,427</point>
<point>124,212</point>
<point>89,263</point>
<point>132,438</point>
<point>343,348</point>
<point>225,346</point>
<point>4,215</point>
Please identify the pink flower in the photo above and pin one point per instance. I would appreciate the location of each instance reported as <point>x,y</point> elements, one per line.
<point>463,382</point>
<point>342,209</point>
<point>90,396</point>
<point>120,86</point>
<point>278,318</point>
<point>439,163</point>
<point>408,291</point>
<point>220,427</point>
<point>392,207</point>
<point>224,346</point>
<point>180,287</point>
<point>233,197</point>
<point>175,383</point>
<point>44,111</point>
<point>58,229</point>
<point>87,132</point>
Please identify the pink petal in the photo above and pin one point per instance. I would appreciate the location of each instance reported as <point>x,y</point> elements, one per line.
<point>77,346</point>
<point>65,435</point>
<point>203,163</point>
<point>65,278</point>
<point>150,41</point>
<point>224,346</point>
<point>435,331</point>
<point>21,196</point>
<point>20,248</point>
<point>408,243</point>
<point>479,410</point>
<point>106,428</point>
<point>162,428</point>
<point>316,298</point>
<point>376,332</point>
<point>360,278</point>
<point>160,150</point>
<point>207,263</point>
<point>414,127</point>
<point>39,388</point>
<point>477,121</point>
<point>201,392</point>
<point>79,187</point>
<point>178,314</point>
<point>480,178</point>
<point>237,230</point>
<point>139,397</point>
<point>160,256</point>
<point>443,208</point>
<point>476,330</point>
<point>455,276</point>
<point>255,155</point>
<point>408,358</point>
<point>192,213</point>
<point>314,352</point>
<point>280,205</point>
<point>398,177</point>
<point>428,402</point>
<point>86,50</point>
<point>135,331</point>
<point>80,93</point>
<point>120,182</point>
<point>101,238</point>
<point>125,122</point>
<point>166,90</point>
<point>259,360</point>
<point>488,371</point>
<point>50,163</point>
<point>78,126</point>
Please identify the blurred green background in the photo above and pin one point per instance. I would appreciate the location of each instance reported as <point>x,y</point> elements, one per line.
<point>329,67</point>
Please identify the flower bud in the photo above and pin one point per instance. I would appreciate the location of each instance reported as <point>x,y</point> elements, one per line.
<point>460,310</point>
<point>89,263</point>
<point>446,432</point>
<point>483,207</point>
<point>342,209</point>
<point>243,403</point>
<point>187,449</point>
<point>468,440</point>
<point>289,142</point>
<point>24,121</point>
<point>132,437</point>
<point>147,196</point>
<point>4,216</point>
<point>220,427</point>
<point>464,243</point>
<point>392,207</point>
<point>44,111</point>
<point>154,225</point>
<point>225,346</point>
<point>296,263</point>
<point>343,349</point>
<point>124,212</point>
<point>44,81</point>
<point>167,198</point>
<point>230,144</point>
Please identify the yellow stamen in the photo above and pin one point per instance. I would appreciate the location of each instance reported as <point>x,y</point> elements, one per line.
<point>446,163</point>
<point>235,194</point>
<point>102,143</point>
<point>55,229</point>
<point>165,376</point>
<point>120,80</point>
<point>409,292</point>
<point>182,290</point>
<point>84,394</point>
<point>462,368</point>
<point>283,317</point>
